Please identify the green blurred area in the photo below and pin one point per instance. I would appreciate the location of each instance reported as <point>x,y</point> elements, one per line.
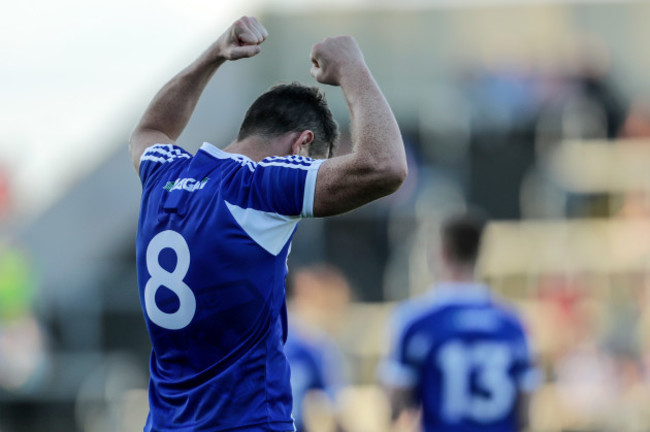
<point>17,283</point>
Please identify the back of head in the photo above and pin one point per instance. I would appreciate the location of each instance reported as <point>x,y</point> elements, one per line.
<point>461,238</point>
<point>292,108</point>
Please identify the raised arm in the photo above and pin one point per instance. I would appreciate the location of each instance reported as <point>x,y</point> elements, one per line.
<point>377,164</point>
<point>171,108</point>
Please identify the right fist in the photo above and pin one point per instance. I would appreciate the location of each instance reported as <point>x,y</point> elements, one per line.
<point>242,39</point>
<point>335,57</point>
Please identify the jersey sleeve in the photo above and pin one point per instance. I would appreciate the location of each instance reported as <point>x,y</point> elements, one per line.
<point>286,185</point>
<point>398,370</point>
<point>157,156</point>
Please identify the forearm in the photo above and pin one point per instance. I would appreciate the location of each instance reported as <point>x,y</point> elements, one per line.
<point>376,138</point>
<point>171,108</point>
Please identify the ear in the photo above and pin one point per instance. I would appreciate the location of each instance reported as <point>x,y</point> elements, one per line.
<point>300,145</point>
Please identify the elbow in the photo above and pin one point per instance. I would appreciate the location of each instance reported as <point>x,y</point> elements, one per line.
<point>133,138</point>
<point>384,179</point>
<point>401,174</point>
<point>130,143</point>
<point>394,175</point>
<point>133,144</point>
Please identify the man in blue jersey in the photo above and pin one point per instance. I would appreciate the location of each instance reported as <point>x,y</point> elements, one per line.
<point>215,228</point>
<point>458,353</point>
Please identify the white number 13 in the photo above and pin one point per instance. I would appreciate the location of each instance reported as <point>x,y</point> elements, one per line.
<point>490,361</point>
<point>172,280</point>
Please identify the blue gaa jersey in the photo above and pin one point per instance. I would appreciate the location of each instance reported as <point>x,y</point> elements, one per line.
<point>465,356</point>
<point>213,238</point>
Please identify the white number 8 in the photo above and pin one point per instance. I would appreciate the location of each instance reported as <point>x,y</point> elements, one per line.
<point>172,280</point>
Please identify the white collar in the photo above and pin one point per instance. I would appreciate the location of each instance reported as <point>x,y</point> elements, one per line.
<point>460,292</point>
<point>220,154</point>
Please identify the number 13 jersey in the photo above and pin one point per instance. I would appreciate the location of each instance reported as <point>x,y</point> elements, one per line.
<point>213,238</point>
<point>465,356</point>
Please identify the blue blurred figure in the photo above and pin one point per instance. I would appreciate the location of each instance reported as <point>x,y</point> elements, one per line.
<point>459,354</point>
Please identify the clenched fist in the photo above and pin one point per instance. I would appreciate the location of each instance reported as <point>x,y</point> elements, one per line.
<point>242,39</point>
<point>334,58</point>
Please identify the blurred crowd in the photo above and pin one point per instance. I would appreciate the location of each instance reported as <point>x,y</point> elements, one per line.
<point>493,128</point>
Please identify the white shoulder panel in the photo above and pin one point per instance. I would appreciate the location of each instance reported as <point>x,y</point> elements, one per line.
<point>271,231</point>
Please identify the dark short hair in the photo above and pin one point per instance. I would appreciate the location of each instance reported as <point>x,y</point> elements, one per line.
<point>293,107</point>
<point>461,237</point>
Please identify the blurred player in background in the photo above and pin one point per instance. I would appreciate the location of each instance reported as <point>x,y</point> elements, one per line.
<point>318,294</point>
<point>459,354</point>
<point>215,228</point>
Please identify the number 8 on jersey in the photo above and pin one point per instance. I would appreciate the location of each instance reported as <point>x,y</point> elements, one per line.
<point>172,280</point>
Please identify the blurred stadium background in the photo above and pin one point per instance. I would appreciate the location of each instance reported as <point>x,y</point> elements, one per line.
<point>538,112</point>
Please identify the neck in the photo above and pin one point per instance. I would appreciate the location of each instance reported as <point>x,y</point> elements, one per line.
<point>257,148</point>
<point>459,274</point>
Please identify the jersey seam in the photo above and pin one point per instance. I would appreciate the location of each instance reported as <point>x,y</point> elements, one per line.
<point>266,383</point>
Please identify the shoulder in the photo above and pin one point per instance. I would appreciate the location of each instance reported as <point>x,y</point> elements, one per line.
<point>157,157</point>
<point>410,313</point>
<point>236,159</point>
<point>511,319</point>
<point>291,162</point>
<point>417,327</point>
<point>508,312</point>
<point>164,153</point>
